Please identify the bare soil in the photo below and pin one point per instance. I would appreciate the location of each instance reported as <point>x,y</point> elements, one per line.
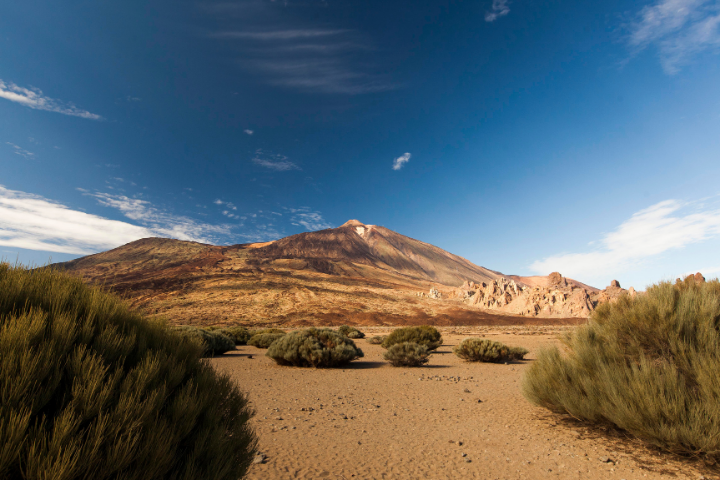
<point>447,420</point>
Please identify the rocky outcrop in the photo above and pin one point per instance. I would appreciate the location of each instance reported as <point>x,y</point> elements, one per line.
<point>434,294</point>
<point>559,298</point>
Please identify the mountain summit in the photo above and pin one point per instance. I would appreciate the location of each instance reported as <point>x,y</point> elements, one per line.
<point>355,273</point>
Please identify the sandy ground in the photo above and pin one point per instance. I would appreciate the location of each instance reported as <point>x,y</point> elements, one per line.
<point>447,420</point>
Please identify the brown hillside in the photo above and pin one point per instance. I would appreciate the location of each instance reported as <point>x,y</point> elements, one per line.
<point>356,274</point>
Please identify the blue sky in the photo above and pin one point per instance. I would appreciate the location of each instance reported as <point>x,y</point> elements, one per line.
<point>527,137</point>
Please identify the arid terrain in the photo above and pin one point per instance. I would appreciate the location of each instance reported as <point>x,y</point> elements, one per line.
<point>356,274</point>
<point>448,420</point>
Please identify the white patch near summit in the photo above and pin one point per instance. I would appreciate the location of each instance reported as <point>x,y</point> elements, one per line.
<point>360,230</point>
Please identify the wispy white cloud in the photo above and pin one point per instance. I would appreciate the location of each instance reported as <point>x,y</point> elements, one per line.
<point>499,9</point>
<point>320,60</point>
<point>275,162</point>
<point>248,131</point>
<point>664,226</point>
<point>679,29</point>
<point>162,224</point>
<point>305,217</point>
<point>35,223</point>
<point>21,151</point>
<point>34,98</point>
<point>401,160</point>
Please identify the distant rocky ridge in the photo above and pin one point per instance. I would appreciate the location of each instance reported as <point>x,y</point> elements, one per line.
<point>558,297</point>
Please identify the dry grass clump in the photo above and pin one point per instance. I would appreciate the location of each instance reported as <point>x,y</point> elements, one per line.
<point>484,350</point>
<point>377,340</point>
<point>314,347</point>
<point>264,340</point>
<point>424,335</point>
<point>240,335</point>
<point>91,389</point>
<point>407,354</point>
<point>214,342</point>
<point>350,332</point>
<point>648,365</point>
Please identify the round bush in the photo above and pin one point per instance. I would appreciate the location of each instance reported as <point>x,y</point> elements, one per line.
<point>260,331</point>
<point>647,365</point>
<point>314,347</point>
<point>92,389</point>
<point>240,335</point>
<point>214,342</point>
<point>425,335</point>
<point>377,340</point>
<point>264,340</point>
<point>483,350</point>
<point>350,332</point>
<point>407,354</point>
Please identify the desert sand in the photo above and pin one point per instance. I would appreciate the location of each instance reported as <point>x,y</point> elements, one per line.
<point>447,420</point>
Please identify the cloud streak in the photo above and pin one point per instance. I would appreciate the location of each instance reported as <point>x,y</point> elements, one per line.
<point>312,221</point>
<point>34,98</point>
<point>499,9</point>
<point>279,163</point>
<point>35,223</point>
<point>401,160</point>
<point>21,151</point>
<point>316,60</point>
<point>662,227</point>
<point>678,29</point>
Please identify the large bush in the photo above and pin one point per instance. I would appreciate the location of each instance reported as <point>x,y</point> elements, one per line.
<point>314,347</point>
<point>350,332</point>
<point>264,340</point>
<point>483,350</point>
<point>240,335</point>
<point>213,341</point>
<point>425,335</point>
<point>90,389</point>
<point>261,331</point>
<point>407,354</point>
<point>648,365</point>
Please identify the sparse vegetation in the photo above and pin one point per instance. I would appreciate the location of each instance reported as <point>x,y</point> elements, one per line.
<point>647,365</point>
<point>407,354</point>
<point>214,342</point>
<point>260,331</point>
<point>484,350</point>
<point>264,340</point>
<point>240,335</point>
<point>92,389</point>
<point>425,335</point>
<point>377,340</point>
<point>350,332</point>
<point>314,347</point>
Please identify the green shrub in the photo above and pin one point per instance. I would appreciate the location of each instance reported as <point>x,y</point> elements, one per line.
<point>407,354</point>
<point>647,365</point>
<point>483,350</point>
<point>425,335</point>
<point>214,342</point>
<point>314,347</point>
<point>377,340</point>
<point>239,334</point>
<point>90,389</point>
<point>264,340</point>
<point>260,331</point>
<point>350,332</point>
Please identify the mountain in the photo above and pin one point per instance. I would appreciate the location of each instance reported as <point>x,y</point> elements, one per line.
<point>356,273</point>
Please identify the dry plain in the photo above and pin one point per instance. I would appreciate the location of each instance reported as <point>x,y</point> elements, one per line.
<point>448,420</point>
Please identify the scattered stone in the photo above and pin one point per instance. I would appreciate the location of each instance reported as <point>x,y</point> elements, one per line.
<point>464,454</point>
<point>467,391</point>
<point>259,458</point>
<point>467,460</point>
<point>250,357</point>
<point>605,459</point>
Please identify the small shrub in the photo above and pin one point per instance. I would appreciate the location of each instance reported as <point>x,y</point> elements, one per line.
<point>264,340</point>
<point>90,389</point>
<point>483,350</point>
<point>314,347</point>
<point>350,332</point>
<point>214,342</point>
<point>647,365</point>
<point>407,354</point>
<point>377,340</point>
<point>425,335</point>
<point>240,335</point>
<point>260,331</point>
